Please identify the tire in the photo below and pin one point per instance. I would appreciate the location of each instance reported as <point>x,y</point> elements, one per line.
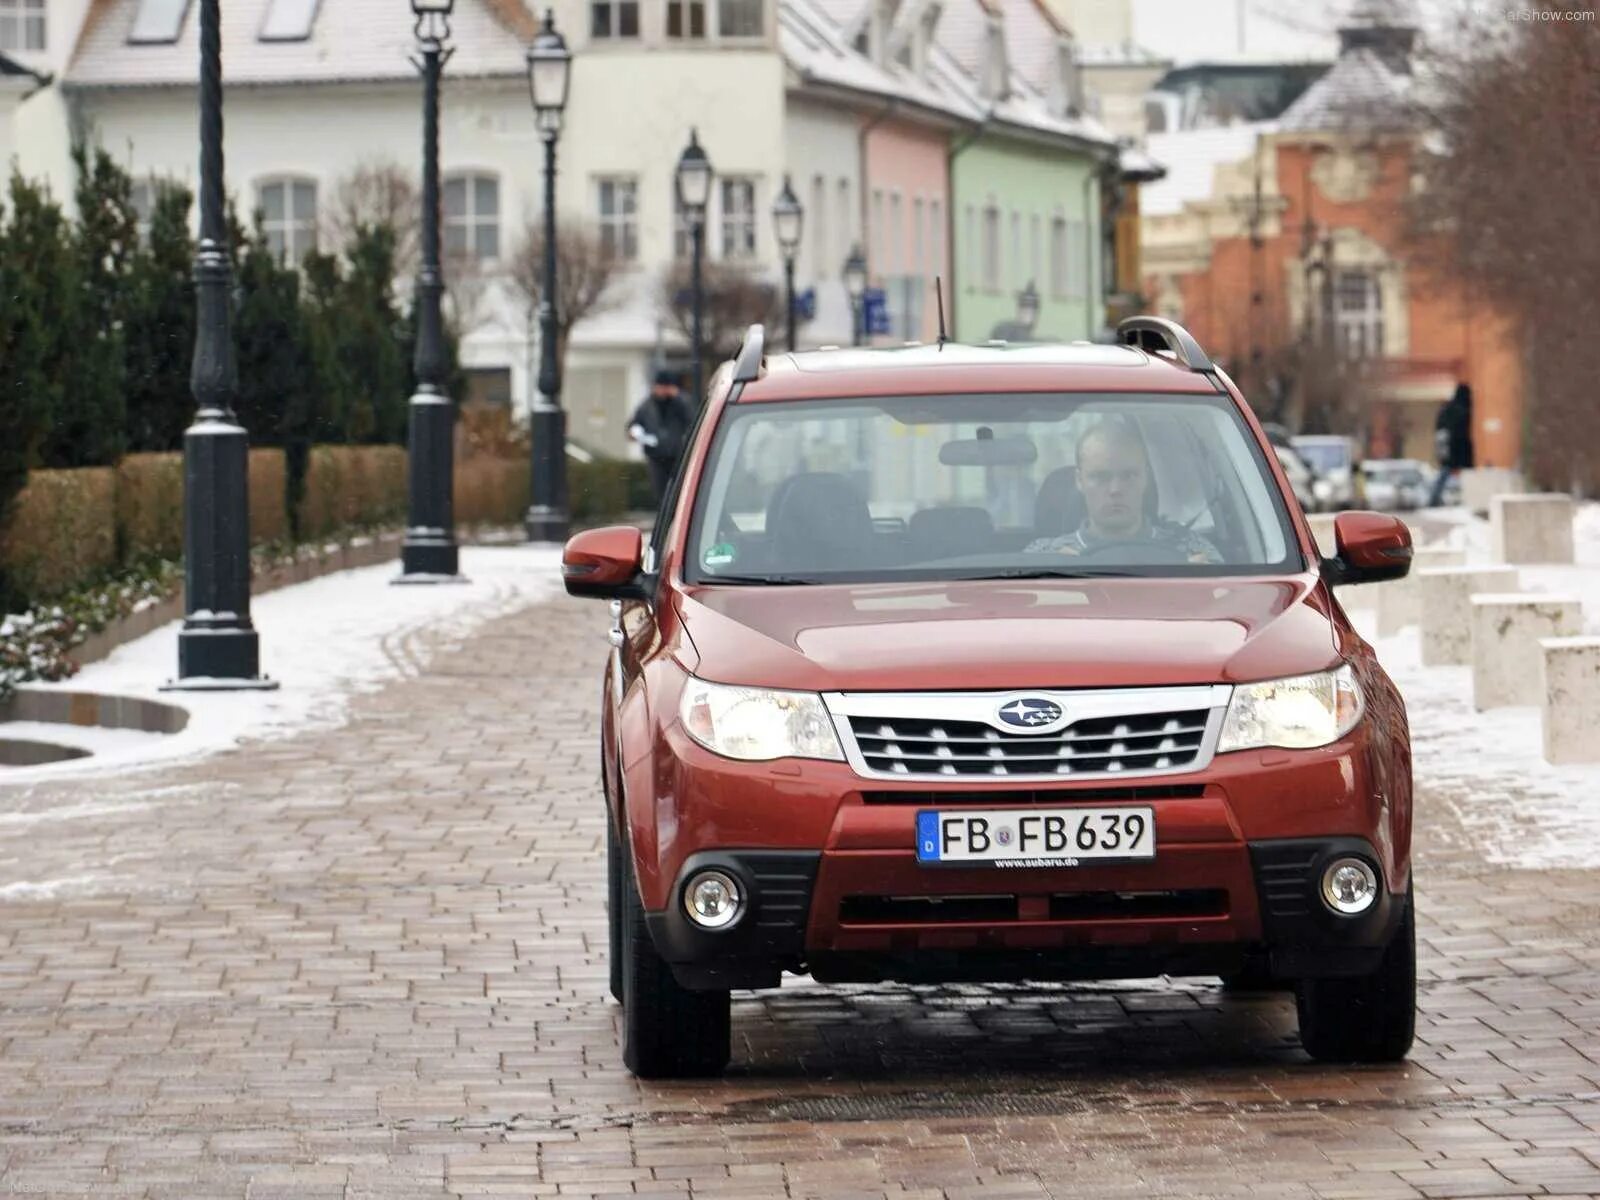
<point>668,1031</point>
<point>614,907</point>
<point>1371,1018</point>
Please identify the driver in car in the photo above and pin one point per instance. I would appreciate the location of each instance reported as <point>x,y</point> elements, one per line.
<point>1114,477</point>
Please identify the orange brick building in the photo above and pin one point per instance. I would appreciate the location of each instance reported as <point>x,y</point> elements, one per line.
<point>1302,241</point>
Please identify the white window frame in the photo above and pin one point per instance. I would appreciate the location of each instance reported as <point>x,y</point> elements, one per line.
<point>291,236</point>
<point>619,229</point>
<point>24,26</point>
<point>718,7</point>
<point>614,10</point>
<point>738,218</point>
<point>1358,327</point>
<point>473,220</point>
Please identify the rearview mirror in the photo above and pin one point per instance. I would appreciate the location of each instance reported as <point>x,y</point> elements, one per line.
<point>606,563</point>
<point>989,452</point>
<point>1370,547</point>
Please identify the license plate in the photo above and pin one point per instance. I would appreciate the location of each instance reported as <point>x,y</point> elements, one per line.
<point>1035,837</point>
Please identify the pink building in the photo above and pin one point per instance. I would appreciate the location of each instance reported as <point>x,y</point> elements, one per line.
<point>906,200</point>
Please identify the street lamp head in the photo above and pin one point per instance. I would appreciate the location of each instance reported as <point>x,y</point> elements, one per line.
<point>787,218</point>
<point>1028,305</point>
<point>855,274</point>
<point>549,76</point>
<point>694,176</point>
<point>433,18</point>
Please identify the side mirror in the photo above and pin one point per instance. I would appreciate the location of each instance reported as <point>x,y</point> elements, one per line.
<point>1371,547</point>
<point>606,563</point>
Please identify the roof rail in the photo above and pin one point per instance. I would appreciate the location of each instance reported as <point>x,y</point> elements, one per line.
<point>1158,333</point>
<point>747,366</point>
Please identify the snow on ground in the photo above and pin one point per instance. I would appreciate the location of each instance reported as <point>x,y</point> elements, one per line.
<point>1520,810</point>
<point>323,641</point>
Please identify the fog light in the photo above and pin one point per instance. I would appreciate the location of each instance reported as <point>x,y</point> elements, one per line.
<point>713,900</point>
<point>1349,886</point>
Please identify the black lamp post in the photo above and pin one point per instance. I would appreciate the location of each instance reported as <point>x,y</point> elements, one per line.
<point>549,77</point>
<point>218,647</point>
<point>788,218</point>
<point>694,193</point>
<point>429,553</point>
<point>1028,307</point>
<point>855,282</point>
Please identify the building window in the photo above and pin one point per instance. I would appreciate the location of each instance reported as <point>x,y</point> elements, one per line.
<point>895,259</point>
<point>740,18</point>
<point>936,239</point>
<point>614,19</point>
<point>989,263</point>
<point>847,222</point>
<point>819,227</point>
<point>875,235</point>
<point>618,217</point>
<point>919,248</point>
<point>142,199</point>
<point>686,18</point>
<point>1358,314</point>
<point>22,24</point>
<point>288,20</point>
<point>288,210</point>
<point>1058,257</point>
<point>1077,260</point>
<point>738,218</point>
<point>1014,276</point>
<point>1035,248</point>
<point>156,22</point>
<point>472,216</point>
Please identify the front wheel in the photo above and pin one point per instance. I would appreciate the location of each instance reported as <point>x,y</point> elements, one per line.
<point>1370,1018</point>
<point>668,1031</point>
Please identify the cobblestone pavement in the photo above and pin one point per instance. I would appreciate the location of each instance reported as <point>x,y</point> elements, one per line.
<point>369,962</point>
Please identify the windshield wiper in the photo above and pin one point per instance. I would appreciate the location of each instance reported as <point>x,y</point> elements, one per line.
<point>1040,573</point>
<point>759,580</point>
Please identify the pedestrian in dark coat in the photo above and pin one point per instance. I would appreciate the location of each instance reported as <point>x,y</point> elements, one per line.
<point>1452,438</point>
<point>661,426</point>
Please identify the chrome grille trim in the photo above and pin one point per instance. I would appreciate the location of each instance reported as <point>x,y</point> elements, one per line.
<point>949,736</point>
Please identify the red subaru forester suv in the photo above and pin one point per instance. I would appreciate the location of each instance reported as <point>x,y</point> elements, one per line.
<point>995,663</point>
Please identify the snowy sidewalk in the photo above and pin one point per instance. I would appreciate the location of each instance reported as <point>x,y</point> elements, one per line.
<point>1489,766</point>
<point>323,641</point>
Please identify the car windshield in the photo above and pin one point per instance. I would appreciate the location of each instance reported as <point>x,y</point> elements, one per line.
<point>1325,456</point>
<point>985,486</point>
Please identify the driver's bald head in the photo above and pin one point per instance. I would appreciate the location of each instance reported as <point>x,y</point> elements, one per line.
<point>1113,475</point>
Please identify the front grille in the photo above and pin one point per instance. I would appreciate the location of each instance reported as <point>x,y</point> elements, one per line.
<point>1157,741</point>
<point>1022,796</point>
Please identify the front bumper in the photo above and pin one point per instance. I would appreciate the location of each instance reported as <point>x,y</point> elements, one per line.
<point>1213,910</point>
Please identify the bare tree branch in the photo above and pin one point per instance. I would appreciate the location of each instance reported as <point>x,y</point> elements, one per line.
<point>378,192</point>
<point>736,297</point>
<point>584,274</point>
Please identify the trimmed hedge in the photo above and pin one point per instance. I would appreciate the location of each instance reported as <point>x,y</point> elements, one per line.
<point>352,487</point>
<point>70,528</point>
<point>62,531</point>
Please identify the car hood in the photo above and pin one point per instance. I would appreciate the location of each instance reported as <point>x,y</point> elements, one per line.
<point>993,635</point>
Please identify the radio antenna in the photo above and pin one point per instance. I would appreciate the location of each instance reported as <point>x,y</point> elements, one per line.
<point>938,300</point>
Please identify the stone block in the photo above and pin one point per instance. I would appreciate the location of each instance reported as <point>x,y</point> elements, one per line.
<point>1570,698</point>
<point>1506,632</point>
<point>1481,484</point>
<point>1397,601</point>
<point>1444,612</point>
<point>1534,528</point>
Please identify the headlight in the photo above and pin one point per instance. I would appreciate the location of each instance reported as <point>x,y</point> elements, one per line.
<point>1297,713</point>
<point>756,724</point>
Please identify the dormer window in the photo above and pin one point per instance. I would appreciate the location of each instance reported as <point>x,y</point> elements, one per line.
<point>158,22</point>
<point>288,20</point>
<point>22,24</point>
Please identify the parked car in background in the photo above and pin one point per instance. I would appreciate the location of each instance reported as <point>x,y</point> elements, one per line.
<point>1395,484</point>
<point>1301,478</point>
<point>866,717</point>
<point>1337,462</point>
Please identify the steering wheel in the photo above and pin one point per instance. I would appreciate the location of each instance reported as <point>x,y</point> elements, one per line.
<point>1137,550</point>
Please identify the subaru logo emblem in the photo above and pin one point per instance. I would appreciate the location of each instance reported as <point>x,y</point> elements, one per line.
<point>1029,713</point>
